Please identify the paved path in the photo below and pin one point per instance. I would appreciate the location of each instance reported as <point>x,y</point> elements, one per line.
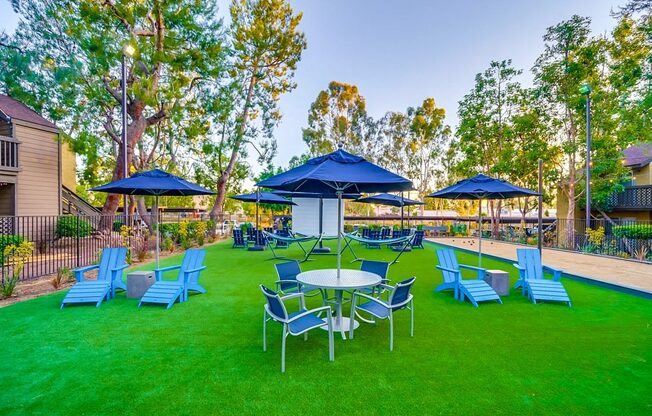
<point>615,271</point>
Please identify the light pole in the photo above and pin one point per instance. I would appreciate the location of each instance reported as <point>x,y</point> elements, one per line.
<point>586,91</point>
<point>127,51</point>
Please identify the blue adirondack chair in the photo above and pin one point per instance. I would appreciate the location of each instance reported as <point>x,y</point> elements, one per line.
<point>399,298</point>
<point>532,281</point>
<point>109,279</point>
<point>295,323</point>
<point>287,279</point>
<point>169,291</point>
<point>239,239</point>
<point>417,241</point>
<point>476,290</point>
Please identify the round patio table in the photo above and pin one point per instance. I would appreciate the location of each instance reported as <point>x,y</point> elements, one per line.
<point>348,280</point>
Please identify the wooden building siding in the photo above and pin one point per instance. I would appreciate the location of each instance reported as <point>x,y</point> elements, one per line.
<point>38,182</point>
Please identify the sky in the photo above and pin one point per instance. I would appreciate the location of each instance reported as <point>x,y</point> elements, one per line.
<point>399,52</point>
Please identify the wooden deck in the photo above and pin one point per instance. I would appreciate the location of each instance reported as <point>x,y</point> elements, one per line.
<point>629,274</point>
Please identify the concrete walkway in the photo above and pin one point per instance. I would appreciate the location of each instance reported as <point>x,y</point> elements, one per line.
<point>629,274</point>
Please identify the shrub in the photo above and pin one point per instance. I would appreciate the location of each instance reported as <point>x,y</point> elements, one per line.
<point>72,226</point>
<point>16,256</point>
<point>420,227</point>
<point>595,237</point>
<point>184,235</point>
<point>532,241</point>
<point>200,232</point>
<point>167,243</point>
<point>9,240</point>
<point>63,275</point>
<point>634,231</point>
<point>117,225</point>
<point>125,234</point>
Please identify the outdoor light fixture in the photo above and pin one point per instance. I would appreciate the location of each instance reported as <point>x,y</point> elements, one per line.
<point>128,49</point>
<point>585,89</point>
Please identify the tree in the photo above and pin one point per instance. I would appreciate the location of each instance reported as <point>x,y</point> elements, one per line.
<point>568,61</point>
<point>64,61</point>
<point>484,131</point>
<point>339,116</point>
<point>265,49</point>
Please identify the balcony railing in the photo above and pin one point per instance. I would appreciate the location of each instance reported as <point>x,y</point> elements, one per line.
<point>633,197</point>
<point>8,153</point>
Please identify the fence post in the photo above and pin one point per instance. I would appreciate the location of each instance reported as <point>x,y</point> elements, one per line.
<point>77,240</point>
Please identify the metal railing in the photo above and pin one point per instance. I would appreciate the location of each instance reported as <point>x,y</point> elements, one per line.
<point>8,153</point>
<point>604,237</point>
<point>633,197</point>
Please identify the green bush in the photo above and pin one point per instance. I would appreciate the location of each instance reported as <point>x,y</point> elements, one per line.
<point>635,231</point>
<point>72,226</point>
<point>117,225</point>
<point>9,240</point>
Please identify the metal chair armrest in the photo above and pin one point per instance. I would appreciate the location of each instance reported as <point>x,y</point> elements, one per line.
<point>292,296</point>
<point>371,298</point>
<point>400,305</point>
<point>309,312</point>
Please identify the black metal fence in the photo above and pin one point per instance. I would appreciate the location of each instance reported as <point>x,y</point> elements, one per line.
<point>618,238</point>
<point>69,241</point>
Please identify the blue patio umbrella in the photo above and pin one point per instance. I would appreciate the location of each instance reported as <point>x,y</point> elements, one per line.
<point>338,172</point>
<point>478,188</point>
<point>391,200</point>
<point>155,182</point>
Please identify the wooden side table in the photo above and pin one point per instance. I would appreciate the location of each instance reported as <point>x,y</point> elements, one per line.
<point>498,280</point>
<point>138,283</point>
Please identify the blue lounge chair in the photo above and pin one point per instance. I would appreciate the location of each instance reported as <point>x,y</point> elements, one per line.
<point>476,290</point>
<point>169,291</point>
<point>296,323</point>
<point>109,278</point>
<point>417,241</point>
<point>287,279</point>
<point>399,298</point>
<point>375,236</point>
<point>532,281</point>
<point>239,240</point>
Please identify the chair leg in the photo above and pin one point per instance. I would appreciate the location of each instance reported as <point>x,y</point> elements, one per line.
<point>264,330</point>
<point>283,348</point>
<point>412,318</point>
<point>354,300</point>
<point>331,342</point>
<point>391,332</point>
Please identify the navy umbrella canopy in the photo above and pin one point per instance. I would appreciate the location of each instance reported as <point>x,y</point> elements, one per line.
<point>154,182</point>
<point>263,198</point>
<point>391,200</point>
<point>338,172</point>
<point>482,187</point>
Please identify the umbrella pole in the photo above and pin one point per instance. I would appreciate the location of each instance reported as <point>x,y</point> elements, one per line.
<point>401,211</point>
<point>339,232</point>
<point>480,233</point>
<point>158,233</point>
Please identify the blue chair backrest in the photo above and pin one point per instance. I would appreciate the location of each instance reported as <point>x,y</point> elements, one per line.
<point>374,235</point>
<point>396,233</point>
<point>274,303</point>
<point>448,260</point>
<point>378,267</point>
<point>111,258</point>
<point>288,271</point>
<point>238,238</point>
<point>530,259</point>
<point>384,233</point>
<point>250,233</point>
<point>418,237</point>
<point>366,232</point>
<point>401,291</point>
<point>405,232</point>
<point>193,259</point>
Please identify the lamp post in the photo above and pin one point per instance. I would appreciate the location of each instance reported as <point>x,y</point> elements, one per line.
<point>586,91</point>
<point>127,51</point>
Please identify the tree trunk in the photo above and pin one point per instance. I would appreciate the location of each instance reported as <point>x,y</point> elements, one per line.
<point>146,216</point>
<point>216,211</point>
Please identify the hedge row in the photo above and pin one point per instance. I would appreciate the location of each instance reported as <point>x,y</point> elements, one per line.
<point>635,231</point>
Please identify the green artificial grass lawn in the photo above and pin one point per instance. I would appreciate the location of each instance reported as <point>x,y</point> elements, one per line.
<point>205,356</point>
